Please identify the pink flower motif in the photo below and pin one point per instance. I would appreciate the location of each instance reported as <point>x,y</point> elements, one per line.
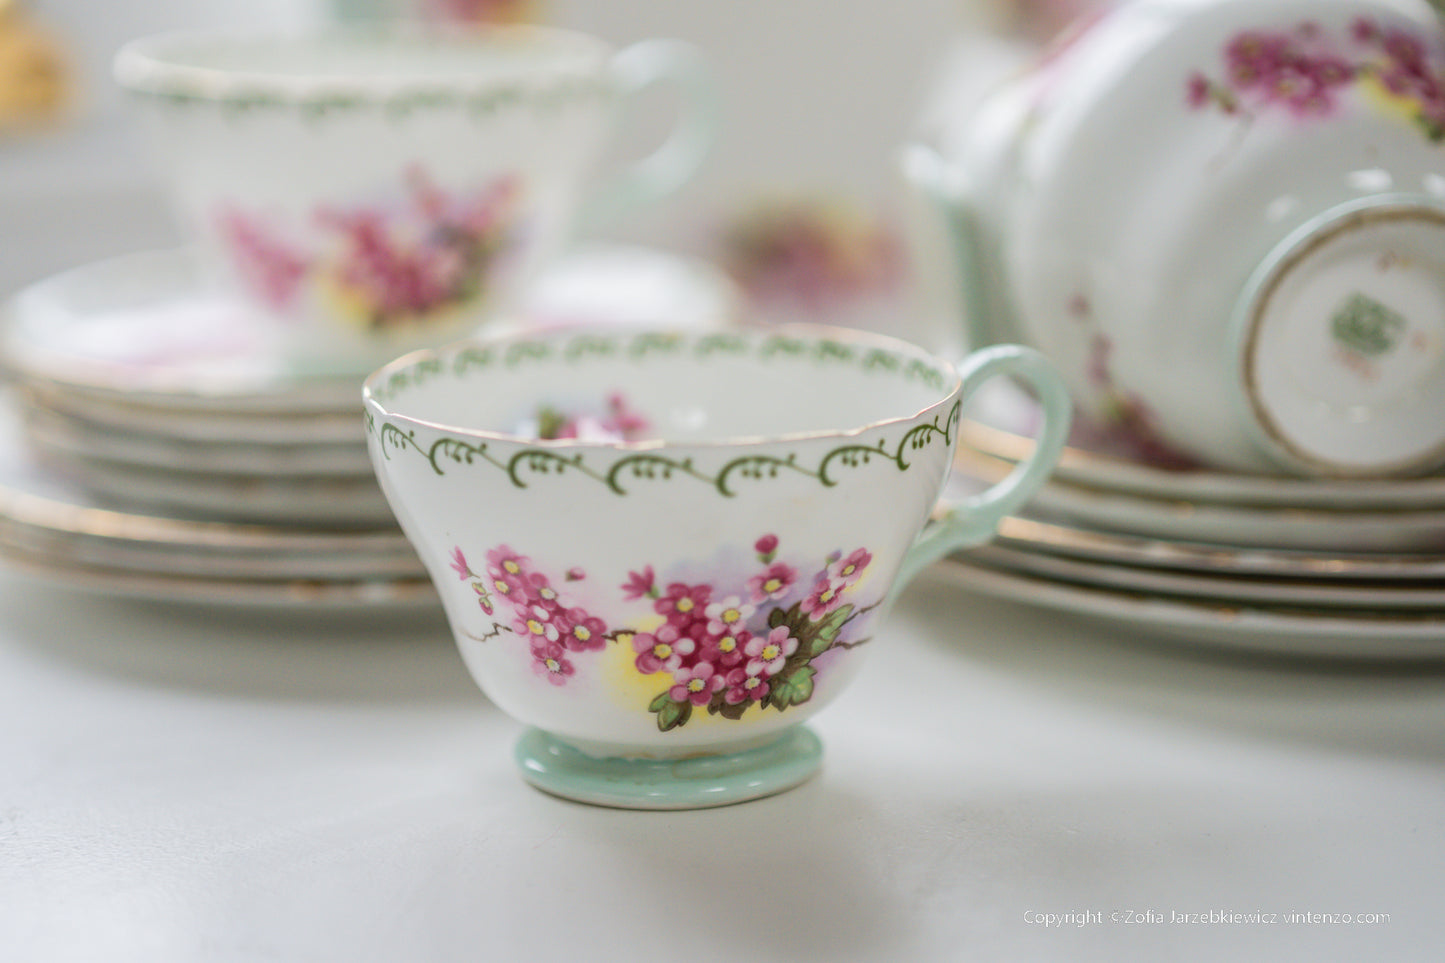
<point>582,631</point>
<point>847,571</point>
<point>684,604</point>
<point>540,590</point>
<point>825,597</point>
<point>535,625</point>
<point>744,686</point>
<point>696,684</point>
<point>728,616</point>
<point>661,651</point>
<point>267,266</point>
<point>725,650</point>
<point>1199,90</point>
<point>504,561</point>
<point>774,583</point>
<point>768,653</point>
<point>459,564</point>
<point>550,662</point>
<point>1295,70</point>
<point>512,588</point>
<point>766,547</point>
<point>575,575</point>
<point>622,420</point>
<point>639,584</point>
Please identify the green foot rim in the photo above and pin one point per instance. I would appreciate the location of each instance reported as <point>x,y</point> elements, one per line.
<point>696,782</point>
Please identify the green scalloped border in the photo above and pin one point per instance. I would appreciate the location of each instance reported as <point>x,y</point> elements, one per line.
<point>395,106</point>
<point>511,355</point>
<point>448,453</point>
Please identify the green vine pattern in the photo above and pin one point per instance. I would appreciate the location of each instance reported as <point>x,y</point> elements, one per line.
<point>517,354</point>
<point>447,453</point>
<point>395,107</point>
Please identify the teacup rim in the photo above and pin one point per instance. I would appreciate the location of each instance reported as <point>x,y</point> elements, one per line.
<point>142,65</point>
<point>818,332</point>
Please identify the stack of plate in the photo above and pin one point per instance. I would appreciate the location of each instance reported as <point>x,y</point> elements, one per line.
<point>153,444</point>
<point>1327,567</point>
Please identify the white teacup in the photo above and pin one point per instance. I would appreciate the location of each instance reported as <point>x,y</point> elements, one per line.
<point>1225,221</point>
<point>697,563</point>
<point>379,188</point>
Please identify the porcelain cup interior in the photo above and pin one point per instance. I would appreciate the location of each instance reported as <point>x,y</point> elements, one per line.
<point>377,188</point>
<point>704,556</point>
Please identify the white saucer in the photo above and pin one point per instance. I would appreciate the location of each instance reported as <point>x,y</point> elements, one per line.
<point>322,501</point>
<point>1216,625</point>
<point>1033,535</point>
<point>52,528</point>
<point>298,593</point>
<point>147,331</point>
<point>1353,597</point>
<point>1003,427</point>
<point>74,436</point>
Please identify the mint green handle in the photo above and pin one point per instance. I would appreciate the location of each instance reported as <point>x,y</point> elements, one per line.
<point>975,519</point>
<point>638,68</point>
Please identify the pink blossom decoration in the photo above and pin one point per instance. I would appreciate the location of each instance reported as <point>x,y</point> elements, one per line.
<point>729,615</point>
<point>1305,71</point>
<point>722,646</point>
<point>726,650</point>
<point>825,597</point>
<point>696,684</point>
<point>536,624</point>
<point>581,631</point>
<point>661,651</point>
<point>773,583</point>
<point>269,267</point>
<point>550,662</point>
<point>847,571</point>
<point>684,604</point>
<point>506,561</point>
<point>769,652</point>
<point>744,686</point>
<point>640,584</point>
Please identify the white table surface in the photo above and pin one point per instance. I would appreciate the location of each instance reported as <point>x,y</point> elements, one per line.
<point>195,785</point>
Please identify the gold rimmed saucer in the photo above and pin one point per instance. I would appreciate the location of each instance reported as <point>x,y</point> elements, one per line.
<point>1034,535</point>
<point>1216,625</point>
<point>1231,588</point>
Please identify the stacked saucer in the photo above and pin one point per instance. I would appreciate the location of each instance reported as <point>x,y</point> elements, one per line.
<point>154,445</point>
<point>151,393</point>
<point>1338,567</point>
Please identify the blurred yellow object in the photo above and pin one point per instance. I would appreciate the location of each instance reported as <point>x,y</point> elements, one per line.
<point>34,76</point>
<point>485,11</point>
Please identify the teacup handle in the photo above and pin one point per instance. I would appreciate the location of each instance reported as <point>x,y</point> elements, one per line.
<point>974,520</point>
<point>676,160</point>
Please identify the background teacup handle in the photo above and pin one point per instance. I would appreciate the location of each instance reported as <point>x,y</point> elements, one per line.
<point>973,520</point>
<point>673,163</point>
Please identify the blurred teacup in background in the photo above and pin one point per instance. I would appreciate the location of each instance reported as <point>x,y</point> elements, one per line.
<point>1225,221</point>
<point>375,188</point>
<point>664,550</point>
